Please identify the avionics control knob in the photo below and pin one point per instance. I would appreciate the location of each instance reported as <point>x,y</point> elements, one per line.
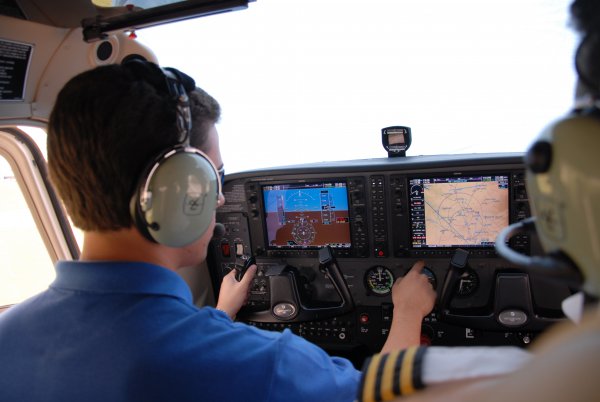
<point>430,277</point>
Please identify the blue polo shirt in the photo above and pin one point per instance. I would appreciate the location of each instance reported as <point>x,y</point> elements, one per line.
<point>116,331</point>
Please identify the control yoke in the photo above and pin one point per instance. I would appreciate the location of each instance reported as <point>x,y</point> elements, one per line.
<point>329,266</point>
<point>511,306</point>
<point>458,264</point>
<point>288,302</point>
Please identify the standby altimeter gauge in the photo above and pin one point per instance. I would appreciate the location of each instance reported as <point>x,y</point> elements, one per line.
<point>379,280</point>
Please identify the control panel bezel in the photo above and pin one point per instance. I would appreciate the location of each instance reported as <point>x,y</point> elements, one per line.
<point>379,213</point>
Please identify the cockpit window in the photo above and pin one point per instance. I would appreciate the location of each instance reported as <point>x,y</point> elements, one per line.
<point>313,80</point>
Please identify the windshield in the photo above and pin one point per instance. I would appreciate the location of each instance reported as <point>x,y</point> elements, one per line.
<point>310,81</point>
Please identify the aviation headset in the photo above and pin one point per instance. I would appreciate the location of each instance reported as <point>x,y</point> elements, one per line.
<point>563,173</point>
<point>177,193</point>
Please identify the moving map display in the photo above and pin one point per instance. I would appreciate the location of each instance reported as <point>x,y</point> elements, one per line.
<point>307,215</point>
<point>458,211</point>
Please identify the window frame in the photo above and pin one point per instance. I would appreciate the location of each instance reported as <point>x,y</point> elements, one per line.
<point>30,170</point>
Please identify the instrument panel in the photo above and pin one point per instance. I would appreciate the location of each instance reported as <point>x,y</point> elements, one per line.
<point>331,239</point>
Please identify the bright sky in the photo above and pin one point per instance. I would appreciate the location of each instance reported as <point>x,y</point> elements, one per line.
<point>311,80</point>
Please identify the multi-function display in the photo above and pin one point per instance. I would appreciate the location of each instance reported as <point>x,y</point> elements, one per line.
<point>466,211</point>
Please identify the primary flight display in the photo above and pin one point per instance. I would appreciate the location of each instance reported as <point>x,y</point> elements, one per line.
<point>307,215</point>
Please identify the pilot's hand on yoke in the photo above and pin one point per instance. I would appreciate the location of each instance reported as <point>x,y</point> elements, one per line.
<point>233,294</point>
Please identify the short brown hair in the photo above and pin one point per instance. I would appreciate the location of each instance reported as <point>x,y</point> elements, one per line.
<point>106,126</point>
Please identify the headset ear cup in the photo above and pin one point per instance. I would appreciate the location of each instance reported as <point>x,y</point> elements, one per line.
<point>564,195</point>
<point>587,62</point>
<point>137,216</point>
<point>177,195</point>
<point>177,200</point>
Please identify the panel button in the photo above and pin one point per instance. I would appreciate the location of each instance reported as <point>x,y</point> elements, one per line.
<point>512,318</point>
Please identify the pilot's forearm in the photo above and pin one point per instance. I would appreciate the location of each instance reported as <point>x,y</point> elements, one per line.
<point>445,371</point>
<point>404,332</point>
